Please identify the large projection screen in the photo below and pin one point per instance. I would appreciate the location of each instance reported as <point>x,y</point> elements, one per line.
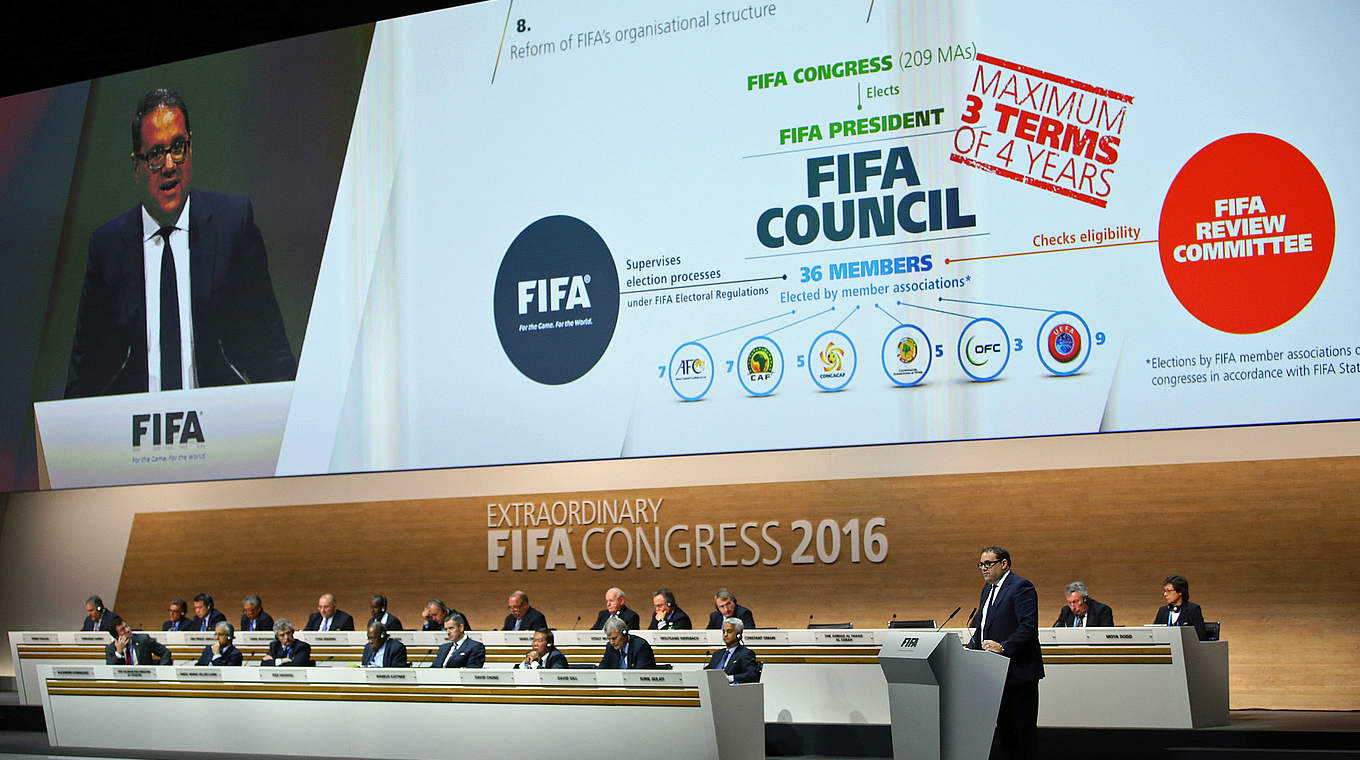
<point>542,232</point>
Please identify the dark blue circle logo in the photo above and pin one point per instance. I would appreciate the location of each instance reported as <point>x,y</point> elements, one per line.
<point>556,300</point>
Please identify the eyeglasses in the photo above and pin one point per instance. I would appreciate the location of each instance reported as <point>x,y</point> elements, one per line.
<point>988,563</point>
<point>155,158</point>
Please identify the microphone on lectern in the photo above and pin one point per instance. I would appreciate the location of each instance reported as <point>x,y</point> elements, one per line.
<point>970,618</point>
<point>951,617</point>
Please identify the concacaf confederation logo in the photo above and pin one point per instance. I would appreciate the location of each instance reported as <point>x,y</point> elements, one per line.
<point>832,358</point>
<point>835,363</point>
<point>1064,343</point>
<point>761,366</point>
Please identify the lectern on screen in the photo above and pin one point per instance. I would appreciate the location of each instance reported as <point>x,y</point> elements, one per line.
<point>942,698</point>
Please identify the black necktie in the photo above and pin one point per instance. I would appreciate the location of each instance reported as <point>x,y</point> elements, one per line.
<point>171,374</point>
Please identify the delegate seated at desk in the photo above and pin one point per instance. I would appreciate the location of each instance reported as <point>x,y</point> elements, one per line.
<point>286,649</point>
<point>382,651</point>
<point>221,651</point>
<point>625,652</point>
<point>461,651</point>
<point>543,653</point>
<point>130,648</point>
<point>1179,610</point>
<point>735,659</point>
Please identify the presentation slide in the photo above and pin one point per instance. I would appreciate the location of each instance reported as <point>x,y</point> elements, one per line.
<point>588,230</point>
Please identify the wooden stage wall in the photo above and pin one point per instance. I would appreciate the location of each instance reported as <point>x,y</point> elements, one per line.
<point>1269,548</point>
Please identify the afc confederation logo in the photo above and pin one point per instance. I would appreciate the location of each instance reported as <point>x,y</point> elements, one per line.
<point>168,429</point>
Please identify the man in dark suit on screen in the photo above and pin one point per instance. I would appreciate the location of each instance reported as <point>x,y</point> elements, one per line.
<point>177,291</point>
<point>1008,624</point>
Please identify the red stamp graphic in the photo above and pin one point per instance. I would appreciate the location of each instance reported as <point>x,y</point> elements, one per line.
<point>1041,129</point>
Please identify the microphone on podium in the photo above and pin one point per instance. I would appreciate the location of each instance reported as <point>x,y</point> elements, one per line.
<point>951,617</point>
<point>578,622</point>
<point>809,621</point>
<point>970,618</point>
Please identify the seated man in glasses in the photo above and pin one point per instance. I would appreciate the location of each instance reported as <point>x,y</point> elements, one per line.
<point>177,291</point>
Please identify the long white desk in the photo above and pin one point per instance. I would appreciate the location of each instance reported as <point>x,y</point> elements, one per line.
<point>400,713</point>
<point>1141,677</point>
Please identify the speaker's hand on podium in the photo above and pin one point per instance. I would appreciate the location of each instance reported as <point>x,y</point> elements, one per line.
<point>991,646</point>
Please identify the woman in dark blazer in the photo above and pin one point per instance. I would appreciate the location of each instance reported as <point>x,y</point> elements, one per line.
<point>1179,610</point>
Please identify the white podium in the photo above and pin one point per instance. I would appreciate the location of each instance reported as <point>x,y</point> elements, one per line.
<point>942,698</point>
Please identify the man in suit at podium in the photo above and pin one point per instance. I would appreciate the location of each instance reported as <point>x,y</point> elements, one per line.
<point>735,659</point>
<point>616,605</point>
<point>522,617</point>
<point>624,652</point>
<point>1008,624</point>
<point>206,616</point>
<point>130,648</point>
<point>1082,611</point>
<point>461,651</point>
<point>328,617</point>
<point>725,606</point>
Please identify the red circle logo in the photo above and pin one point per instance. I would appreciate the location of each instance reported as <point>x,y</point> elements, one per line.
<point>1064,343</point>
<point>1246,233</point>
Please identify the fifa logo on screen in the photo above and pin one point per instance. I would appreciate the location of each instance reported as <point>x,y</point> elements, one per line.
<point>550,294</point>
<point>169,428</point>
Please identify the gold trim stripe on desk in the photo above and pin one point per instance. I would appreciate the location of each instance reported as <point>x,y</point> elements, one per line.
<point>362,692</point>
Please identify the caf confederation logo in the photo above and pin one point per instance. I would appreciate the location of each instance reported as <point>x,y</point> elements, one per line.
<point>1064,343</point>
<point>759,363</point>
<point>906,350</point>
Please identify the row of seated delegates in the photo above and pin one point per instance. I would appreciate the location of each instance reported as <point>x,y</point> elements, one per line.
<point>1082,611</point>
<point>206,616</point>
<point>627,652</point>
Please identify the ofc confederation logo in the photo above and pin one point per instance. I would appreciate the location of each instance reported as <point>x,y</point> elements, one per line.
<point>556,300</point>
<point>984,349</point>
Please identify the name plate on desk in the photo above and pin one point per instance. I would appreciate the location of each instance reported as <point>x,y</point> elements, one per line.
<point>519,638</point>
<point>317,637</point>
<point>488,676</point>
<point>843,636</point>
<point>199,674</point>
<point>133,673</point>
<point>652,677</point>
<point>202,638</point>
<point>406,637</point>
<point>1119,636</point>
<point>283,674</point>
<point>40,638</point>
<point>765,637</point>
<point>568,677</point>
<point>254,637</point>
<point>98,637</point>
<point>196,434</point>
<point>591,637</point>
<point>72,672</point>
<point>678,637</point>
<point>389,675</point>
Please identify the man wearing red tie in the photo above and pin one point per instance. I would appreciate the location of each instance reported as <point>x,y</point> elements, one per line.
<point>134,649</point>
